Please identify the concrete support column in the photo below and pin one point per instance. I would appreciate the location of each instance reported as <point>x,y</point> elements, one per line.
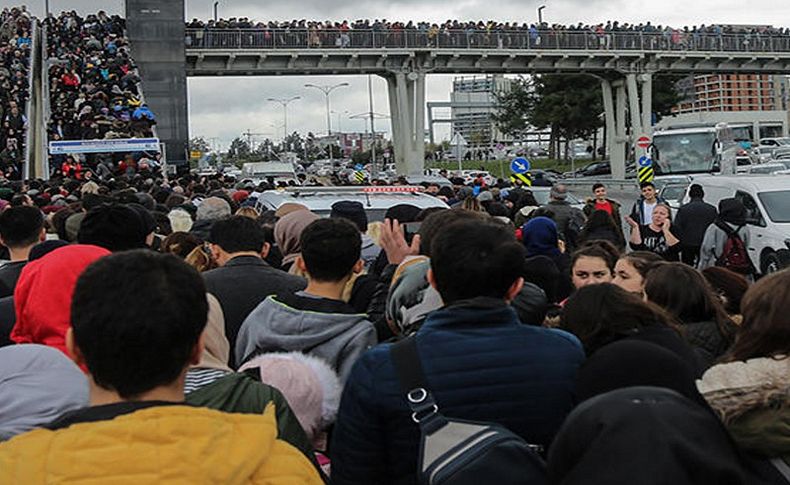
<point>633,105</point>
<point>418,166</point>
<point>647,104</point>
<point>407,113</point>
<point>620,141</point>
<point>617,163</point>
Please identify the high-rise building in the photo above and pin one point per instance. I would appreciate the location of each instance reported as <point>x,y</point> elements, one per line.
<point>473,103</point>
<point>733,92</point>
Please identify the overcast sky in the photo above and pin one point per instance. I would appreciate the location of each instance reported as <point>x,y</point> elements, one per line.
<point>223,108</point>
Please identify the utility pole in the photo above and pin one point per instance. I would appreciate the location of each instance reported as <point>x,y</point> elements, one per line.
<point>375,165</point>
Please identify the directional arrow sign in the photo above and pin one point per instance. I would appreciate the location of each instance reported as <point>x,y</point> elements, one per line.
<point>520,165</point>
<point>645,162</point>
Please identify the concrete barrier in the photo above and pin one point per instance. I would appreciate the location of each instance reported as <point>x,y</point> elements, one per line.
<point>614,184</point>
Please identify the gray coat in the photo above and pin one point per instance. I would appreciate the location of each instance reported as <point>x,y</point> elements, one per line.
<point>241,285</point>
<point>324,328</point>
<point>713,244</point>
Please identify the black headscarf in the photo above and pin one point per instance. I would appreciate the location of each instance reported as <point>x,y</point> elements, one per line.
<point>733,211</point>
<point>630,362</point>
<point>644,435</point>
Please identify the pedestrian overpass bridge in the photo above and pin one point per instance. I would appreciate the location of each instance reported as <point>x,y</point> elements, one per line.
<point>167,53</point>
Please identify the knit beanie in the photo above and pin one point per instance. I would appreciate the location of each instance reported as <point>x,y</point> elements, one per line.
<point>353,211</point>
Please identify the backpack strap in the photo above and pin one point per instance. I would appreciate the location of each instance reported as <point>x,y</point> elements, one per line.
<point>408,367</point>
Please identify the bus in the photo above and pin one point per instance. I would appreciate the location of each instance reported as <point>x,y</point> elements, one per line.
<point>698,148</point>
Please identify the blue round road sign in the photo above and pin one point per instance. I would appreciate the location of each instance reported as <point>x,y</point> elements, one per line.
<point>520,165</point>
<point>645,162</point>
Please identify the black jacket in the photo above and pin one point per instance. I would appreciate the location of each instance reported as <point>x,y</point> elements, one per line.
<point>692,220</point>
<point>241,285</point>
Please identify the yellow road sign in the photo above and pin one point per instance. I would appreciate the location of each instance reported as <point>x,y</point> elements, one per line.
<point>525,178</point>
<point>646,174</point>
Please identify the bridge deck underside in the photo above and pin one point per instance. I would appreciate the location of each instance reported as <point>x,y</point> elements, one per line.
<point>238,62</point>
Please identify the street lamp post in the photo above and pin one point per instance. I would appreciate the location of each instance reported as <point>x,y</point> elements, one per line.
<point>284,102</point>
<point>216,4</point>
<point>540,15</point>
<point>327,90</point>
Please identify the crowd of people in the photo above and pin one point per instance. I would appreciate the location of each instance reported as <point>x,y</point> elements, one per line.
<point>487,34</point>
<point>94,85</point>
<point>15,58</point>
<point>175,322</point>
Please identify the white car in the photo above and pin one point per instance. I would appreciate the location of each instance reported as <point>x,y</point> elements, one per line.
<point>767,202</point>
<point>375,199</point>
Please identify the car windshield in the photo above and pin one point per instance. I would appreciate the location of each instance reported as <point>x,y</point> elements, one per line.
<point>674,192</point>
<point>687,152</point>
<point>777,205</point>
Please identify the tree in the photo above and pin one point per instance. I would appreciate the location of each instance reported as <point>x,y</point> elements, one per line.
<point>513,107</point>
<point>666,94</point>
<point>239,150</point>
<point>199,144</point>
<point>567,104</point>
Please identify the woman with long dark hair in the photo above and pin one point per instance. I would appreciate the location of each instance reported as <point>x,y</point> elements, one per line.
<point>601,314</point>
<point>751,390</point>
<point>686,295</point>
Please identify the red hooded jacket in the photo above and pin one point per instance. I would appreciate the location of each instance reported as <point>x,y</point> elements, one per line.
<point>42,298</point>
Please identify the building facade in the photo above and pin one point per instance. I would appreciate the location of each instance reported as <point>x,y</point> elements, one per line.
<point>733,92</point>
<point>473,102</point>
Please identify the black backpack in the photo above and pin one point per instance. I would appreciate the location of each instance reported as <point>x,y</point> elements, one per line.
<point>734,255</point>
<point>459,452</point>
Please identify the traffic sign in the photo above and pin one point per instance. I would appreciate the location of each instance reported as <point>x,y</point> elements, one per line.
<point>525,178</point>
<point>520,165</point>
<point>645,161</point>
<point>646,174</point>
<point>643,142</point>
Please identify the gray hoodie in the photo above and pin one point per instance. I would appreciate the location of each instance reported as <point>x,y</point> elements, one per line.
<point>324,328</point>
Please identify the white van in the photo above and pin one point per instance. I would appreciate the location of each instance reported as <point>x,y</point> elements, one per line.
<point>767,202</point>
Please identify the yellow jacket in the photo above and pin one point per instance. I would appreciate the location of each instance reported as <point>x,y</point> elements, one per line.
<point>162,445</point>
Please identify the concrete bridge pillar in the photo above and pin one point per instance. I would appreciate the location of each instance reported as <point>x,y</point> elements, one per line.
<point>407,112</point>
<point>621,98</point>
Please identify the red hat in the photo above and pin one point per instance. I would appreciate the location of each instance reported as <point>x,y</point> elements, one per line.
<point>240,196</point>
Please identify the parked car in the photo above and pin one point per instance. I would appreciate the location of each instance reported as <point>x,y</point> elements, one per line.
<point>591,170</point>
<point>767,202</point>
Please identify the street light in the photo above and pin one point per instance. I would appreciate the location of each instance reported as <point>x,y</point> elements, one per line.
<point>284,102</point>
<point>216,4</point>
<point>327,90</point>
<point>540,14</point>
<point>339,119</point>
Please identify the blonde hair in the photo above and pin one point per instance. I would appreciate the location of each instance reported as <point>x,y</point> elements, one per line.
<point>200,260</point>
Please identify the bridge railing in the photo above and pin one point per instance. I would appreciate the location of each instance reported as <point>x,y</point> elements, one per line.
<point>481,39</point>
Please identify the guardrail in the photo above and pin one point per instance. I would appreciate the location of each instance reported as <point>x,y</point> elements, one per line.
<point>30,105</point>
<point>214,38</point>
<point>45,99</point>
<point>617,184</point>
